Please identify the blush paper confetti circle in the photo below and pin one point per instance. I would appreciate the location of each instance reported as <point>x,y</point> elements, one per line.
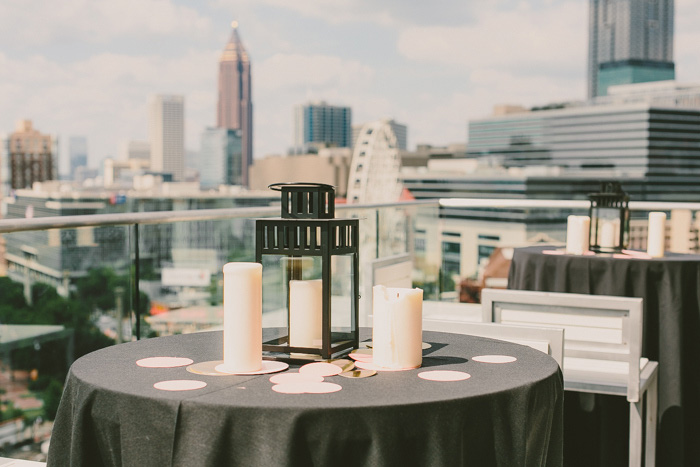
<point>164,362</point>
<point>295,378</point>
<point>362,355</point>
<point>180,385</point>
<point>374,366</point>
<point>494,359</point>
<point>268,366</point>
<point>206,368</point>
<point>320,369</point>
<point>306,388</point>
<point>444,375</point>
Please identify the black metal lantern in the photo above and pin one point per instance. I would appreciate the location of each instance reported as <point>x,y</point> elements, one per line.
<point>309,244</point>
<point>610,219</point>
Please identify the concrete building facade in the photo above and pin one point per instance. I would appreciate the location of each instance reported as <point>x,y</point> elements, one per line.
<point>167,135</point>
<point>77,153</point>
<point>220,157</point>
<point>31,157</point>
<point>330,166</point>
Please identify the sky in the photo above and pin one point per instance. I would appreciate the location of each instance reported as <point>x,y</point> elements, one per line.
<point>87,67</point>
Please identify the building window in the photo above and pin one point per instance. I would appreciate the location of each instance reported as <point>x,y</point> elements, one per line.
<point>485,252</point>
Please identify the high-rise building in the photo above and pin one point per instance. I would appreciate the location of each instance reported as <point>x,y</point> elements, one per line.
<point>235,107</point>
<point>630,41</point>
<point>220,157</point>
<point>167,135</point>
<point>318,125</point>
<point>77,153</point>
<point>135,150</point>
<point>31,157</point>
<point>631,140</point>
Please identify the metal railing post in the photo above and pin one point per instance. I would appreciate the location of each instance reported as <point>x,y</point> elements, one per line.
<point>137,274</point>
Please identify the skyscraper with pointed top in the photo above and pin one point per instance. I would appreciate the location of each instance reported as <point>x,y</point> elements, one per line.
<point>235,107</point>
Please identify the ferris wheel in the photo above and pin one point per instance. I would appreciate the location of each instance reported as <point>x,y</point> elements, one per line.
<point>374,172</point>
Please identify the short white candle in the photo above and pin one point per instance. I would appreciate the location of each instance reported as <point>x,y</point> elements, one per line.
<point>607,235</point>
<point>577,234</point>
<point>397,332</point>
<point>305,313</point>
<point>656,234</point>
<point>242,317</point>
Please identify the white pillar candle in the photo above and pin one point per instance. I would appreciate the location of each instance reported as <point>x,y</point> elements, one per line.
<point>305,313</point>
<point>577,234</point>
<point>656,234</point>
<point>397,333</point>
<point>607,235</point>
<point>242,317</point>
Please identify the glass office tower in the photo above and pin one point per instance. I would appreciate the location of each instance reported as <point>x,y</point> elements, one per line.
<point>630,41</point>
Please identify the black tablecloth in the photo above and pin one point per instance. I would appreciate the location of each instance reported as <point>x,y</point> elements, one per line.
<point>670,287</point>
<point>505,414</point>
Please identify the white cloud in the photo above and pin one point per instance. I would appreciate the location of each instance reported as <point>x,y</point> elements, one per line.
<point>292,71</point>
<point>333,12</point>
<point>37,22</point>
<point>285,80</point>
<point>521,37</point>
<point>104,97</point>
<point>512,54</point>
<point>687,40</point>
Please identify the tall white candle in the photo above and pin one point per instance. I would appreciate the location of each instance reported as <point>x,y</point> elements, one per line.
<point>305,313</point>
<point>656,234</point>
<point>607,234</point>
<point>585,227</point>
<point>242,317</point>
<point>397,333</point>
<point>577,234</point>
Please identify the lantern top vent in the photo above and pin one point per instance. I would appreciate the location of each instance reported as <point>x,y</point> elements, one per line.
<point>302,200</point>
<point>611,196</point>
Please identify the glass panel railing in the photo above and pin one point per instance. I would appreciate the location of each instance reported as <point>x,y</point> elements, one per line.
<point>77,285</point>
<point>65,293</point>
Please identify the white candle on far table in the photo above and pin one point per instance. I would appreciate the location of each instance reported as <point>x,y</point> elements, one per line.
<point>607,235</point>
<point>397,332</point>
<point>305,313</point>
<point>577,234</point>
<point>242,317</point>
<point>656,234</point>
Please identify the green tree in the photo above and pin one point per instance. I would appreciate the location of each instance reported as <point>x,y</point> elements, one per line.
<point>13,306</point>
<point>52,398</point>
<point>97,288</point>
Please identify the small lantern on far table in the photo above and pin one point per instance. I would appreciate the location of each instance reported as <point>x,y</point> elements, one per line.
<point>610,219</point>
<point>318,259</point>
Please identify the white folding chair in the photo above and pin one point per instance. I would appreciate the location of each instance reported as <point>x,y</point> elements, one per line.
<point>546,339</point>
<point>602,349</point>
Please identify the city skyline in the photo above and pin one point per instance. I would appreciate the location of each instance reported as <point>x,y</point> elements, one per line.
<point>88,71</point>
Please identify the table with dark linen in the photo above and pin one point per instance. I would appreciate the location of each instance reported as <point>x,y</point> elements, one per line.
<point>670,288</point>
<point>508,414</point>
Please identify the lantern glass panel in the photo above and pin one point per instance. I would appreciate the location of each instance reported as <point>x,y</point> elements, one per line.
<point>608,226</point>
<point>278,271</point>
<point>341,293</point>
<point>274,291</point>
